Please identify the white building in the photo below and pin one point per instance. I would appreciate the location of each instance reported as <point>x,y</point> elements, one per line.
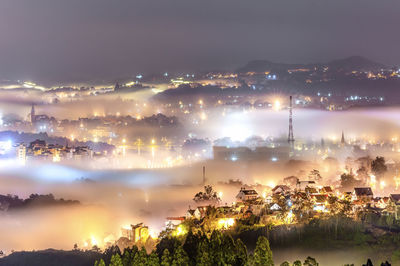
<point>246,195</point>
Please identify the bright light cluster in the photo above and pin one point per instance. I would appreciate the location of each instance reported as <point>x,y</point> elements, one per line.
<point>225,223</point>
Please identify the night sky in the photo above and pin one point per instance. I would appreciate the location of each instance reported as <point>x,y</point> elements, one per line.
<point>80,40</point>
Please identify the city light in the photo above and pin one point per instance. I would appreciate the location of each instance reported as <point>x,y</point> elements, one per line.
<point>226,223</point>
<point>203,116</point>
<point>382,184</point>
<point>180,230</point>
<point>271,184</point>
<point>93,241</point>
<point>134,135</point>
<point>277,105</point>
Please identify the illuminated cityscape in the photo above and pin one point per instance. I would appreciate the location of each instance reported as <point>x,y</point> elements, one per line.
<point>187,133</point>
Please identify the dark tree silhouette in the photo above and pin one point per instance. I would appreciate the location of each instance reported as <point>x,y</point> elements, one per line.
<point>379,167</point>
<point>348,181</point>
<point>208,195</point>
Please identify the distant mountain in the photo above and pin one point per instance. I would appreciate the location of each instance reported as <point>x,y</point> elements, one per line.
<point>355,63</point>
<point>265,65</point>
<point>351,63</point>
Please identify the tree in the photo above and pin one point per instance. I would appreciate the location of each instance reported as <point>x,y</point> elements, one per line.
<point>75,246</point>
<point>310,262</point>
<point>116,260</point>
<point>109,252</point>
<point>348,181</point>
<point>369,263</point>
<point>166,258</point>
<point>229,249</point>
<point>315,175</point>
<point>291,181</point>
<point>214,247</point>
<point>140,257</point>
<point>204,254</point>
<point>379,167</point>
<point>208,195</point>
<point>362,174</point>
<point>127,257</point>
<point>96,248</point>
<point>180,257</point>
<point>100,263</point>
<point>285,263</point>
<point>167,242</point>
<point>241,252</point>
<point>153,260</point>
<point>297,263</point>
<point>349,164</point>
<point>263,253</point>
<point>190,246</point>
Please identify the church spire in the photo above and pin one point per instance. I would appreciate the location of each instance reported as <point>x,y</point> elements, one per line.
<point>33,115</point>
<point>343,140</point>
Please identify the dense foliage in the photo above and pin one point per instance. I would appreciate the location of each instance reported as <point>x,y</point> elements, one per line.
<point>218,248</point>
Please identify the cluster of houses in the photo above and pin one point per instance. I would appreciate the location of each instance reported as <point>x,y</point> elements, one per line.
<point>40,150</point>
<point>282,203</point>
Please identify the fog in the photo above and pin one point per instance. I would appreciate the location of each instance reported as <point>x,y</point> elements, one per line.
<point>72,107</point>
<point>113,198</point>
<point>376,123</point>
<point>110,199</point>
<point>308,124</point>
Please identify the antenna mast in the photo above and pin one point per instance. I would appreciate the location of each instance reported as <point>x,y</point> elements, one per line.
<point>290,136</point>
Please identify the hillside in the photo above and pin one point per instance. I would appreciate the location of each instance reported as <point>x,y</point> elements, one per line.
<point>351,63</point>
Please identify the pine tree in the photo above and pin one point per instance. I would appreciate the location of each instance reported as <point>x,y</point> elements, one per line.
<point>216,249</point>
<point>166,258</point>
<point>153,260</point>
<point>140,257</point>
<point>134,250</point>
<point>100,263</point>
<point>190,246</point>
<point>250,260</point>
<point>180,257</point>
<point>203,254</point>
<point>116,260</point>
<point>127,258</point>
<point>228,250</point>
<point>241,252</point>
<point>263,253</point>
<point>109,252</point>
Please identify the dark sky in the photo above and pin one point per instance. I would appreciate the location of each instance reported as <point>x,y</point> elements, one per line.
<point>62,40</point>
